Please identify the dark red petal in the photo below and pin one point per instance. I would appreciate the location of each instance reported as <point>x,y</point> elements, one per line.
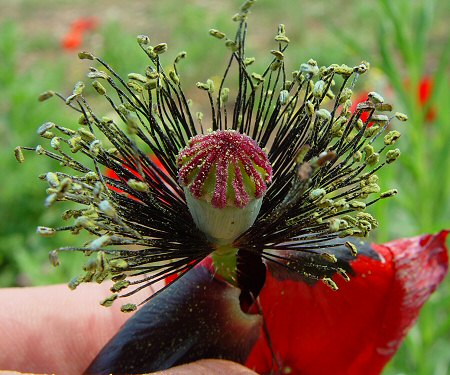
<point>196,317</point>
<point>358,328</point>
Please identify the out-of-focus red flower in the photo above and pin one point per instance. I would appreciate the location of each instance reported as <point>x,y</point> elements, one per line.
<point>357,329</point>
<point>73,39</point>
<point>360,99</point>
<point>425,90</point>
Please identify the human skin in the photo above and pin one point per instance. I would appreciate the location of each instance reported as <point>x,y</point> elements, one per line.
<point>51,329</point>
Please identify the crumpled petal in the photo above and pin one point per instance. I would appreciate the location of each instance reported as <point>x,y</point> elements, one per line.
<point>197,316</point>
<point>357,329</point>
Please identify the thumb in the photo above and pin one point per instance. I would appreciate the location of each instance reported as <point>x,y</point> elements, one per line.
<point>208,367</point>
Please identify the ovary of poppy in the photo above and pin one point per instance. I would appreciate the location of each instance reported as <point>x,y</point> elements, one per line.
<point>357,329</point>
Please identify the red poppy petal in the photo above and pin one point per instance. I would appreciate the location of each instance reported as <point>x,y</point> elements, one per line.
<point>356,330</point>
<point>196,317</point>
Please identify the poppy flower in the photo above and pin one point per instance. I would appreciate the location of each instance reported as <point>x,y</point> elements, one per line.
<point>305,328</point>
<point>73,39</point>
<point>425,91</point>
<point>277,184</point>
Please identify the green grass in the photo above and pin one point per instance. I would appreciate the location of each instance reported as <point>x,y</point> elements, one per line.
<point>404,40</point>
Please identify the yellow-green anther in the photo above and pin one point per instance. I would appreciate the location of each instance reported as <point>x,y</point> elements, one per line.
<point>138,185</point>
<point>99,87</point>
<point>118,264</point>
<point>401,116</point>
<point>353,249</point>
<point>45,231</point>
<point>330,283</point>
<point>45,95</point>
<point>86,135</point>
<point>368,217</point>
<point>224,95</point>
<point>216,34</point>
<point>358,205</point>
<point>135,86</point>
<point>128,307</point>
<point>53,258</point>
<point>371,131</point>
<point>78,88</point>
<point>143,39</point>
<point>45,128</point>
<point>317,194</point>
<point>258,77</point>
<point>343,274</point>
<point>84,222</point>
<point>362,68</point>
<point>202,86</point>
<point>39,150</point>
<point>330,94</point>
<point>52,179</point>
<point>137,77</point>
<point>181,55</point>
<point>108,301</point>
<point>99,242</point>
<point>371,188</point>
<point>85,55</point>
<point>160,48</point>
<point>341,204</point>
<point>75,282</point>
<point>334,224</point>
<point>381,119</point>
<point>247,5</point>
<point>373,159</point>
<point>391,137</point>
<point>282,38</point>
<point>232,45</point>
<point>278,54</point>
<point>389,193</point>
<point>323,114</point>
<point>368,150</point>
<point>383,107</point>
<point>284,95</point>
<point>211,86</point>
<point>325,203</point>
<point>302,153</point>
<point>310,68</point>
<point>107,208</point>
<point>97,74</point>
<point>90,265</point>
<point>310,109</point>
<point>249,61</point>
<point>174,77</point>
<point>346,94</point>
<point>375,97</point>
<point>329,257</point>
<point>120,285</point>
<point>19,154</point>
<point>318,89</point>
<point>344,70</point>
<point>392,155</point>
<point>132,123</point>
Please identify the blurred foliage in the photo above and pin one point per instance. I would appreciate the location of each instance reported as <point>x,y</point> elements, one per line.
<point>406,41</point>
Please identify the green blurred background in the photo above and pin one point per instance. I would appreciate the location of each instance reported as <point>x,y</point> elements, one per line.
<point>406,41</point>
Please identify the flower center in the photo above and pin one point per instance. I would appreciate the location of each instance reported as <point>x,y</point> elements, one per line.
<point>224,175</point>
